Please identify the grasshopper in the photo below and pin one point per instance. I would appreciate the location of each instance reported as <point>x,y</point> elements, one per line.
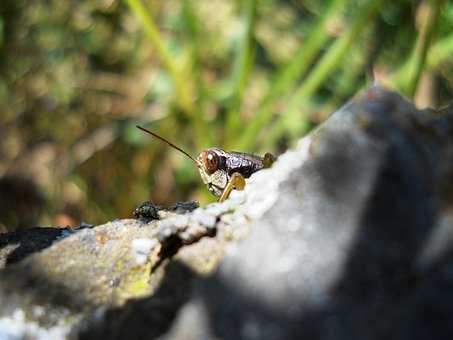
<point>222,171</point>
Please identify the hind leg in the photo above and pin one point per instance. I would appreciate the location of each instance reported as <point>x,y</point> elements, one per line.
<point>236,182</point>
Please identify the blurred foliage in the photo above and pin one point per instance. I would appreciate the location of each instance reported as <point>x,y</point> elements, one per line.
<point>76,76</point>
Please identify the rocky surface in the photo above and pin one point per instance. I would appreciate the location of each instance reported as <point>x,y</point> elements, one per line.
<point>347,236</point>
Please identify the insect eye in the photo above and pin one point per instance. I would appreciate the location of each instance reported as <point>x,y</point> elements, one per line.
<point>211,161</point>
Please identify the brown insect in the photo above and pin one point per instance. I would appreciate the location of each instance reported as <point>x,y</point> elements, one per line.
<point>222,171</point>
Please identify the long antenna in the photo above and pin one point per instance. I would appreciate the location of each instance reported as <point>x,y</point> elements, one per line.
<point>166,141</point>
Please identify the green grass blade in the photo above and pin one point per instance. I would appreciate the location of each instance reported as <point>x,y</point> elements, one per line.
<point>408,77</point>
<point>184,89</point>
<point>242,69</point>
<point>192,28</point>
<point>155,38</point>
<point>441,51</point>
<point>291,120</point>
<point>288,75</point>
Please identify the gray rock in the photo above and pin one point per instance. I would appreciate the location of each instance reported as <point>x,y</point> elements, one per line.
<point>348,236</point>
<point>351,235</point>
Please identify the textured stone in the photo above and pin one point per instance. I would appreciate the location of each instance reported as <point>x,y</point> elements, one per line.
<point>348,236</point>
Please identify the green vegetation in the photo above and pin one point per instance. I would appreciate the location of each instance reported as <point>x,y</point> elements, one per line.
<point>252,75</point>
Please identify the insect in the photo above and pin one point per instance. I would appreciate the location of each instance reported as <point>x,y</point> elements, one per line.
<point>222,171</point>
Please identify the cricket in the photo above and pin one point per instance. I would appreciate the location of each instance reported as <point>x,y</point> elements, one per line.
<point>223,171</point>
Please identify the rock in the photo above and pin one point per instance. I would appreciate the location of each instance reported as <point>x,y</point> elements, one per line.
<point>336,248</point>
<point>57,279</point>
<point>348,236</point>
<point>17,245</point>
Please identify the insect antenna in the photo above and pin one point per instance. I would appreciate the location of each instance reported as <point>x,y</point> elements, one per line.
<point>167,142</point>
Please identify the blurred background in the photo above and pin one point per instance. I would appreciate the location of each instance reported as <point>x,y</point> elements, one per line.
<point>76,76</point>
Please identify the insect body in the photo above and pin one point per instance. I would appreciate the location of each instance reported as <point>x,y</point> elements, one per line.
<point>222,171</point>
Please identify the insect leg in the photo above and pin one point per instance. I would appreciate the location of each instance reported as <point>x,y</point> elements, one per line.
<point>236,181</point>
<point>268,160</point>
